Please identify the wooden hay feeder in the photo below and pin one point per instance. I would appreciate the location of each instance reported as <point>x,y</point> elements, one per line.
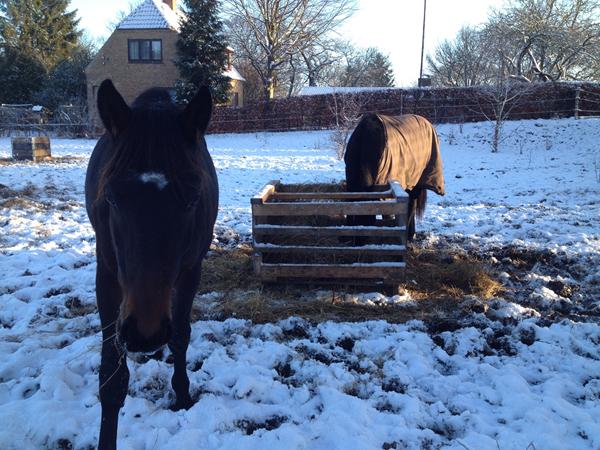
<point>301,235</point>
<point>36,148</point>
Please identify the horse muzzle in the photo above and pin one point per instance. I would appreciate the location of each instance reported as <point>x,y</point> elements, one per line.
<point>135,341</point>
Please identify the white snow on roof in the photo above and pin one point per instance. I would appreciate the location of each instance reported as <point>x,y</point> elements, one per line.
<point>152,15</point>
<point>323,90</point>
<point>233,74</point>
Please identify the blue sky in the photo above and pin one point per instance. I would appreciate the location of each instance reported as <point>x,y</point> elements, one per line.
<point>393,26</point>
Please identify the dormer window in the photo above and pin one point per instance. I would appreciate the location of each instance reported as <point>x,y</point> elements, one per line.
<point>145,50</point>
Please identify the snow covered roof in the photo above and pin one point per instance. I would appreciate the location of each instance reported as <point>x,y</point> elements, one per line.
<point>234,74</point>
<point>322,90</point>
<point>152,15</point>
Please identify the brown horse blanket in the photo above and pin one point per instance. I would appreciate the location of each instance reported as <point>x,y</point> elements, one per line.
<point>402,148</point>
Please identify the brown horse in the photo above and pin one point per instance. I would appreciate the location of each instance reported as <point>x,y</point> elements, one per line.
<point>403,148</point>
<point>151,196</point>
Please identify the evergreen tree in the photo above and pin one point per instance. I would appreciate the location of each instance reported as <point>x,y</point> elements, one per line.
<point>380,71</point>
<point>35,35</point>
<point>42,29</point>
<point>66,83</point>
<point>201,51</point>
<point>21,76</point>
<point>368,68</point>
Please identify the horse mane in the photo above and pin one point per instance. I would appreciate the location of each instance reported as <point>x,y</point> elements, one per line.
<point>154,141</point>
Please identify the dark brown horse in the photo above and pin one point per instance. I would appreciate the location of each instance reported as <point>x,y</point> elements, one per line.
<point>151,195</point>
<point>403,148</point>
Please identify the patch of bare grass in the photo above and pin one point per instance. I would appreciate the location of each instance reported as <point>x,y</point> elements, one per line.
<point>47,160</point>
<point>435,271</point>
<point>28,191</point>
<point>224,270</point>
<point>19,198</point>
<point>437,281</point>
<point>270,305</point>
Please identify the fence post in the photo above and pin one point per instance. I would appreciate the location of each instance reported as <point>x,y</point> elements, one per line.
<point>577,99</point>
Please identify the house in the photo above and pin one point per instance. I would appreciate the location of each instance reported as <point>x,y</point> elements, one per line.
<point>140,54</point>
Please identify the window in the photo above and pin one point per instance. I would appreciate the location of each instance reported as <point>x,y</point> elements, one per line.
<point>145,50</point>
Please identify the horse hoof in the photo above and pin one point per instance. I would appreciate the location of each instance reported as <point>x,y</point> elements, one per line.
<point>184,404</point>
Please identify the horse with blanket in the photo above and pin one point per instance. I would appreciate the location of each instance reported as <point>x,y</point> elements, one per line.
<point>401,148</point>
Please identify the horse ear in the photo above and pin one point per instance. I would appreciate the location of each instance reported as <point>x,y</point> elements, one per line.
<point>196,114</point>
<point>113,110</point>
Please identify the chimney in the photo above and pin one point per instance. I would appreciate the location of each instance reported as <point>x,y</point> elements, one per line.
<point>171,3</point>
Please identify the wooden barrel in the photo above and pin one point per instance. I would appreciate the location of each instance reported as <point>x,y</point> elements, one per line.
<point>36,148</point>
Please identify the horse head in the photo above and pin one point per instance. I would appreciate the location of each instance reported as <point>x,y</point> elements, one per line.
<point>150,195</point>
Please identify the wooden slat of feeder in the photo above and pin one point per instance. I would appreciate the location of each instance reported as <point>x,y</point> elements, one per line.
<point>257,262</point>
<point>331,195</point>
<point>264,194</point>
<point>330,209</point>
<point>293,230</point>
<point>399,193</point>
<point>319,271</point>
<point>383,250</point>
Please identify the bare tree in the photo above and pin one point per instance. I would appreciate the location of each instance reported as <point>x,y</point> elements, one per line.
<point>496,101</point>
<point>253,83</point>
<point>547,40</point>
<point>319,58</point>
<point>537,40</point>
<point>269,32</point>
<point>462,61</point>
<point>347,109</point>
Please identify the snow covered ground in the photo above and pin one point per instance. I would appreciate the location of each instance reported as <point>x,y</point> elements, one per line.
<point>523,375</point>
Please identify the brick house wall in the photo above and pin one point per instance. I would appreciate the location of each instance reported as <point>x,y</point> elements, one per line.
<point>130,78</point>
<point>236,93</point>
<point>151,20</point>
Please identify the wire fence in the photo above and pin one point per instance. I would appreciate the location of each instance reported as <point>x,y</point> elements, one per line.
<point>439,105</point>
<point>338,110</point>
<point>25,120</point>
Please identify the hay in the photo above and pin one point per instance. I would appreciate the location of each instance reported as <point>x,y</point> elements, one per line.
<point>228,269</point>
<point>313,187</point>
<point>435,271</point>
<point>438,282</point>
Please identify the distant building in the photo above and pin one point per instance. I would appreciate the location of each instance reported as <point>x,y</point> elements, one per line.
<point>140,54</point>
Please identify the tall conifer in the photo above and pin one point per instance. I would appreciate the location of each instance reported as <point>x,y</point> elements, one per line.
<point>201,51</point>
<point>35,35</point>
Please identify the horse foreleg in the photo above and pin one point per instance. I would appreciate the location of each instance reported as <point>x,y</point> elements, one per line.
<point>114,374</point>
<point>114,379</point>
<point>180,339</point>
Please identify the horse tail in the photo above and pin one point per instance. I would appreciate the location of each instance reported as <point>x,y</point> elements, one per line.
<point>420,202</point>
